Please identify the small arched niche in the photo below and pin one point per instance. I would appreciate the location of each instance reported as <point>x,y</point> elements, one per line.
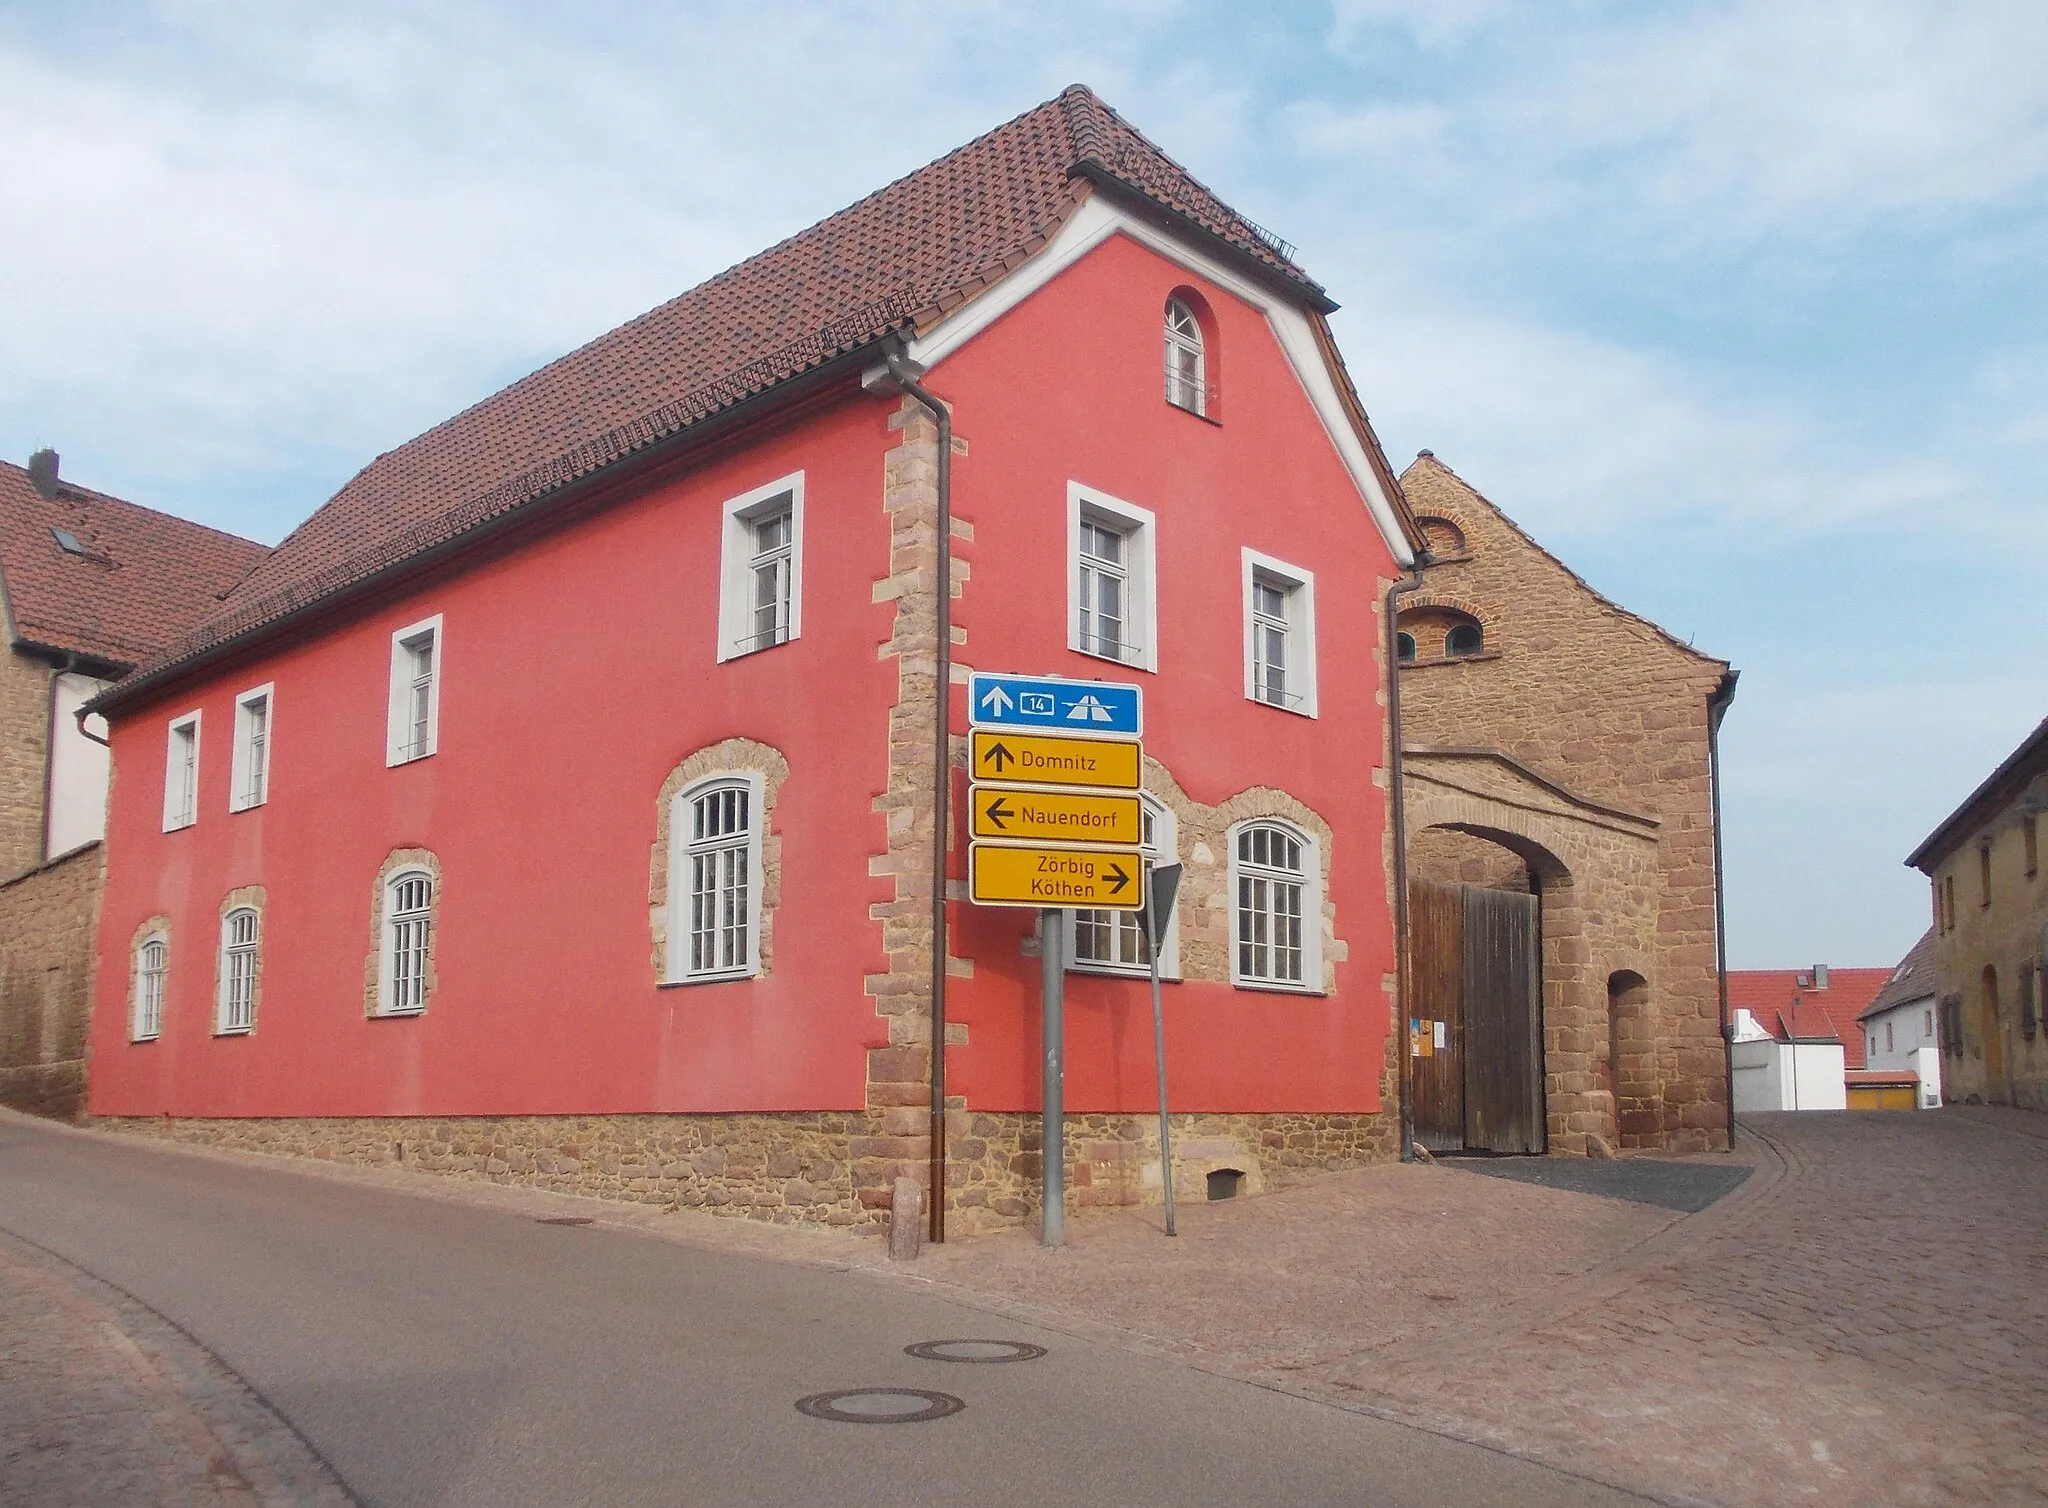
<point>1628,1000</point>
<point>1444,539</point>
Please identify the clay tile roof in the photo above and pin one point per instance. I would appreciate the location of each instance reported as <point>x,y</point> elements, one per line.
<point>903,256</point>
<point>142,580</point>
<point>1786,1008</point>
<point>1913,979</point>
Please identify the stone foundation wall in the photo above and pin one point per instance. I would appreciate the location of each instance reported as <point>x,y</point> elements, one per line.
<point>813,1168</point>
<point>49,918</point>
<point>995,1159</point>
<point>791,1169</point>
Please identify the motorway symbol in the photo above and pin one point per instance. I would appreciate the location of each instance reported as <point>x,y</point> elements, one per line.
<point>1047,875</point>
<point>1060,816</point>
<point>1026,701</point>
<point>1036,759</point>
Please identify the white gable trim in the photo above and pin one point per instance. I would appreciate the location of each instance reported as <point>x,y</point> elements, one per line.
<point>1095,222</point>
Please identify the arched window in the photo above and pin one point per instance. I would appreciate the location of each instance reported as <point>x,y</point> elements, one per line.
<point>1404,646</point>
<point>240,932</point>
<point>1278,921</point>
<point>152,961</point>
<point>1187,364</point>
<point>715,889</point>
<point>406,954</point>
<point>1114,942</point>
<point>1464,639</point>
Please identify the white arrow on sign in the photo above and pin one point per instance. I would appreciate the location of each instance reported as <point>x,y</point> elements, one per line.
<point>997,700</point>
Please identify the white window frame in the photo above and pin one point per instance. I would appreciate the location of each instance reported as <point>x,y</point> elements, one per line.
<point>1300,586</point>
<point>1163,849</point>
<point>1179,393</point>
<point>681,848</point>
<point>400,747</point>
<point>736,632</point>
<point>388,1003</point>
<point>1311,880</point>
<point>146,1011</point>
<point>181,775</point>
<point>249,774</point>
<point>223,1026</point>
<point>1141,574</point>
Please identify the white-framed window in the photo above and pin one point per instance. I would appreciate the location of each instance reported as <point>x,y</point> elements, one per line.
<point>408,934</point>
<point>1187,375</point>
<point>714,929</point>
<point>761,568</point>
<point>1114,942</point>
<point>1277,909</point>
<point>413,725</point>
<point>181,773</point>
<point>249,777</point>
<point>240,939</point>
<point>1112,607</point>
<point>1279,634</point>
<point>152,970</point>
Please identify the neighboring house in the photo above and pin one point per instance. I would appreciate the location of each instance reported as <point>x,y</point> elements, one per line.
<point>591,834</point>
<point>1990,951</point>
<point>1794,1041</point>
<point>1558,758</point>
<point>1899,1027</point>
<point>89,585</point>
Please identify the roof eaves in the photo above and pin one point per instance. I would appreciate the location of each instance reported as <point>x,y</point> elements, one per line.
<point>515,500</point>
<point>1948,837</point>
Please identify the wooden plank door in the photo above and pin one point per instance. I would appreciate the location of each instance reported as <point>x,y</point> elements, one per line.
<point>1436,923</point>
<point>1499,974</point>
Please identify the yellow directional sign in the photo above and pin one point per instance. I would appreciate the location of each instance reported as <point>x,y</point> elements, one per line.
<point>1047,875</point>
<point>1058,816</point>
<point>1041,759</point>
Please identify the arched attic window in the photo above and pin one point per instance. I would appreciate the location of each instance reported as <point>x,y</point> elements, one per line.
<point>1187,357</point>
<point>1466,637</point>
<point>1404,646</point>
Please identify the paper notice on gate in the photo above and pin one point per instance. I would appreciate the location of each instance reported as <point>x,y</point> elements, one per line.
<point>1414,1036</point>
<point>1441,1044</point>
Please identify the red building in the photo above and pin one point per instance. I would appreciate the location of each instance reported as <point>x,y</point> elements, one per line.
<point>556,803</point>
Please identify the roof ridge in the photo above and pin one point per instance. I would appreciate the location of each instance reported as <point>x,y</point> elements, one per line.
<point>1599,596</point>
<point>65,485</point>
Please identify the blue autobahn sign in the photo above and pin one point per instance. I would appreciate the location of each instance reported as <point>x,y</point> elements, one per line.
<point>1049,704</point>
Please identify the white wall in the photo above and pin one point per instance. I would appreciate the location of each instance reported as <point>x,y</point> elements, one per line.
<point>1910,1033</point>
<point>78,771</point>
<point>1927,1063</point>
<point>1772,1075</point>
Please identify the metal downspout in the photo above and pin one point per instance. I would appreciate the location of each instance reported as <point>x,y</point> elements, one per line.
<point>942,782</point>
<point>1717,708</point>
<point>1400,799</point>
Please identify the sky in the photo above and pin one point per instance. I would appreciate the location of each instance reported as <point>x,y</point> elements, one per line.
<point>1738,307</point>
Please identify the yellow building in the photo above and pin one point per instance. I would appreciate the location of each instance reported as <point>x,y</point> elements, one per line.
<point>1991,934</point>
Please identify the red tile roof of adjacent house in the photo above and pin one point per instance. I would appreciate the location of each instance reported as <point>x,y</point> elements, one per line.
<point>900,258</point>
<point>138,581</point>
<point>1787,1003</point>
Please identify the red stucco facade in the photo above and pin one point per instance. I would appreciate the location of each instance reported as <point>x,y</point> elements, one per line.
<point>579,669</point>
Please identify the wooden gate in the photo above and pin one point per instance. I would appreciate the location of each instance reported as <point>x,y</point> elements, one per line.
<point>1476,1057</point>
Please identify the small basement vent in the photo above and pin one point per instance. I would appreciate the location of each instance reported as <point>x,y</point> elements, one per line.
<point>1224,1183</point>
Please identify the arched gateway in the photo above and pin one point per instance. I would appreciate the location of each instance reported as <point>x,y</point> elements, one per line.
<point>1517,967</point>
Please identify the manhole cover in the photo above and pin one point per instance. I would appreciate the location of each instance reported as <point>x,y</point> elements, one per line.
<point>564,1219</point>
<point>975,1350</point>
<point>880,1405</point>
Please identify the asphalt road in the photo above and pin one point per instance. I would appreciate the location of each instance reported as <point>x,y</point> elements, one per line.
<point>440,1354</point>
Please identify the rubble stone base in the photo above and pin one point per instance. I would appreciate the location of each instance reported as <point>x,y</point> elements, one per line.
<point>816,1168</point>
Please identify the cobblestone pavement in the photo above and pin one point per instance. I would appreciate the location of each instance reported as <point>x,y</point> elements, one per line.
<point>104,1405</point>
<point>1865,1321</point>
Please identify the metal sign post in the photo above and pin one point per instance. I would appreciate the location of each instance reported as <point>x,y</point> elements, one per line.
<point>1052,1140</point>
<point>1165,882</point>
